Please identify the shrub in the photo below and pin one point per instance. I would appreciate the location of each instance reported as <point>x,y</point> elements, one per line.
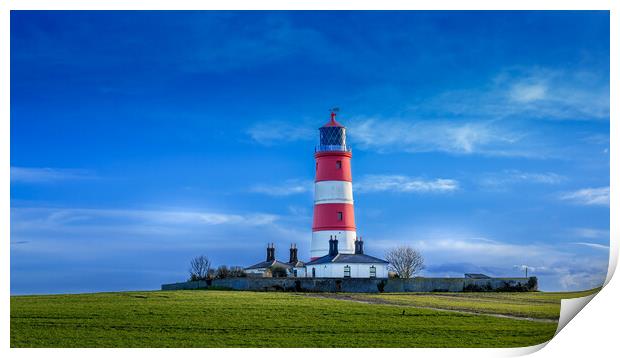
<point>237,271</point>
<point>478,288</point>
<point>222,272</point>
<point>532,283</point>
<point>508,287</point>
<point>278,272</point>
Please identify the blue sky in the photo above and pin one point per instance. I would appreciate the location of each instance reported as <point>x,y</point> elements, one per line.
<point>142,139</point>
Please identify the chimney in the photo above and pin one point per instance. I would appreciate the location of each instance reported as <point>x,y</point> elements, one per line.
<point>359,246</point>
<point>293,254</point>
<point>271,252</point>
<point>333,247</point>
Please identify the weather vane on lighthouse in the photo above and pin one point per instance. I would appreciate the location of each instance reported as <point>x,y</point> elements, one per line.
<point>333,112</point>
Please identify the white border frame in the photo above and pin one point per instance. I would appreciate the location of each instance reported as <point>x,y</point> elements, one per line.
<point>593,331</point>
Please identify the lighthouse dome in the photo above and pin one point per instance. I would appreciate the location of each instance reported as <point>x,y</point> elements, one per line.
<point>333,136</point>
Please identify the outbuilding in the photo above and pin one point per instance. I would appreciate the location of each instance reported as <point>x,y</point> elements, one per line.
<point>269,266</point>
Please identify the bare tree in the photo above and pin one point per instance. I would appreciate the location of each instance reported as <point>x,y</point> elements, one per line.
<point>405,260</point>
<point>237,271</point>
<point>222,272</point>
<point>199,268</point>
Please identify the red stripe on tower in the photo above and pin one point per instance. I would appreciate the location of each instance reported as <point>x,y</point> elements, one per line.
<point>333,195</point>
<point>333,166</point>
<point>333,216</point>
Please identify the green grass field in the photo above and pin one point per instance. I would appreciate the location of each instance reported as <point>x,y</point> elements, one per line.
<point>255,319</point>
<point>542,305</point>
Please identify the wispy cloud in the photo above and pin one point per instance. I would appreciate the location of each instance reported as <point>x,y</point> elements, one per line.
<point>72,231</point>
<point>592,245</point>
<point>487,120</point>
<point>525,93</point>
<point>508,177</point>
<point>288,187</point>
<point>530,269</point>
<point>278,132</point>
<point>589,233</point>
<point>452,254</point>
<point>404,184</point>
<point>88,242</point>
<point>537,93</point>
<point>588,196</point>
<point>457,137</point>
<point>50,217</point>
<point>47,175</point>
<point>554,94</point>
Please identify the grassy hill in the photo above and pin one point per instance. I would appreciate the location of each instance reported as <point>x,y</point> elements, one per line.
<point>256,319</point>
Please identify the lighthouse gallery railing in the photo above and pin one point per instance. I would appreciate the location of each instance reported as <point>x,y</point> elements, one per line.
<point>332,148</point>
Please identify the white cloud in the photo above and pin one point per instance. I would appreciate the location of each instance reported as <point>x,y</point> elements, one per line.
<point>588,196</point>
<point>544,178</point>
<point>453,253</point>
<point>482,246</point>
<point>402,135</point>
<point>507,177</point>
<point>97,240</point>
<point>532,93</point>
<point>289,187</point>
<point>46,175</point>
<point>521,92</point>
<point>99,233</point>
<point>79,218</point>
<point>589,233</point>
<point>404,184</point>
<point>592,245</point>
<point>458,137</point>
<point>488,118</point>
<point>529,269</point>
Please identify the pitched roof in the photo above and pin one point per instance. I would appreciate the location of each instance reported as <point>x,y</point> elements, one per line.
<point>475,275</point>
<point>347,259</point>
<point>266,264</point>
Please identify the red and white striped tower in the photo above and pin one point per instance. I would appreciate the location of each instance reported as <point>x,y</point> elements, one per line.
<point>333,193</point>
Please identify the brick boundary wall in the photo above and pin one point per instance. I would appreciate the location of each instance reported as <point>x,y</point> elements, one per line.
<point>360,285</point>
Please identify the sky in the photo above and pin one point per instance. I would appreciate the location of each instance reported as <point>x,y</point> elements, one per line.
<point>142,139</point>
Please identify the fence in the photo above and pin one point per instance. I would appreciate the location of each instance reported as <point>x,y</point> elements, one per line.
<point>361,285</point>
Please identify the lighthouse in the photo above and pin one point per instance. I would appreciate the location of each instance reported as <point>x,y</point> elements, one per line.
<point>335,250</point>
<point>334,216</point>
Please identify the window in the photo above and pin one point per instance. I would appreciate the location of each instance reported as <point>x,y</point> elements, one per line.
<point>317,167</point>
<point>347,271</point>
<point>373,272</point>
<point>294,273</point>
<point>313,272</point>
<point>339,164</point>
<point>340,216</point>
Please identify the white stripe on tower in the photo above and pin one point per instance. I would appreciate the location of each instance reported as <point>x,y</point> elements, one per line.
<point>333,191</point>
